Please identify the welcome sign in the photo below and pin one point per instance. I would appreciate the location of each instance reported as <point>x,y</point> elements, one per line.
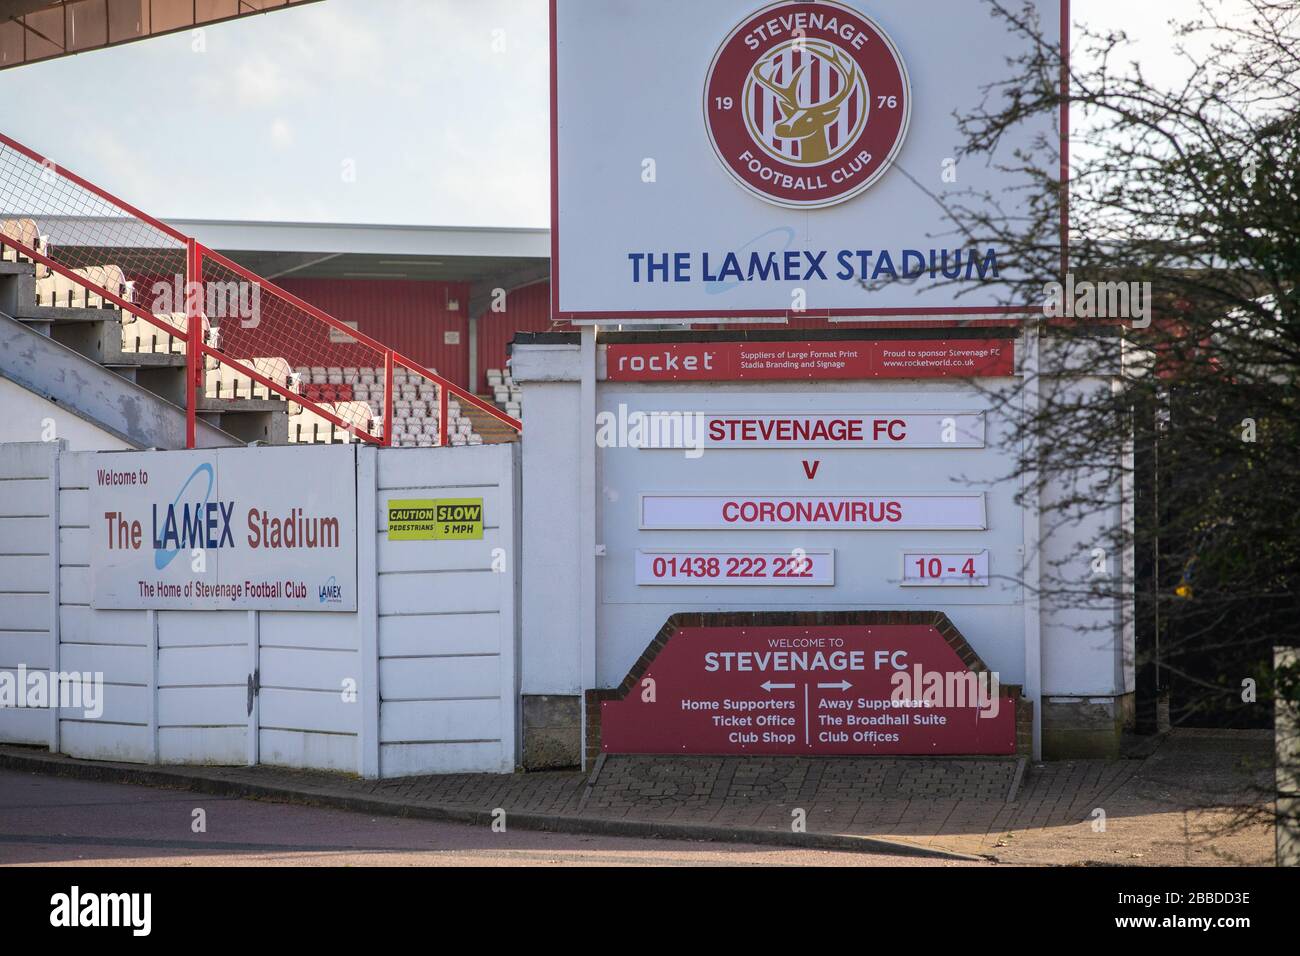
<point>231,528</point>
<point>828,689</point>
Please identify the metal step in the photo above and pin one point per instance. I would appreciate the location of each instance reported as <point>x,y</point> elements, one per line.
<point>96,394</point>
<point>96,335</point>
<point>18,299</point>
<point>492,430</point>
<point>249,419</point>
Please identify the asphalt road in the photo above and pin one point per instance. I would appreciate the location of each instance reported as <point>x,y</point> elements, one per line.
<point>55,820</point>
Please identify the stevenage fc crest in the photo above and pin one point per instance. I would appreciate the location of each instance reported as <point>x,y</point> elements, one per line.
<point>806,104</point>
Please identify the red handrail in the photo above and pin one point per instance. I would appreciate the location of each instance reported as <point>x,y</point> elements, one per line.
<point>91,187</point>
<point>54,191</point>
<point>99,290</point>
<point>193,339</point>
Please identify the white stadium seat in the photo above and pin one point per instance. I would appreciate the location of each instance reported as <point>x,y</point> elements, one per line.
<point>308,427</point>
<point>28,233</point>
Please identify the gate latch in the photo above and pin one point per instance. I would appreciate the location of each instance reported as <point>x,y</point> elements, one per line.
<point>254,685</point>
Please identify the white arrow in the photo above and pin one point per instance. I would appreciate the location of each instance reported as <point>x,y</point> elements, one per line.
<point>769,686</point>
<point>842,685</point>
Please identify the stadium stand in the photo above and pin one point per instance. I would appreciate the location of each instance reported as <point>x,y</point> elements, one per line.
<point>23,231</point>
<point>506,395</point>
<point>118,287</point>
<point>354,394</point>
<point>415,405</point>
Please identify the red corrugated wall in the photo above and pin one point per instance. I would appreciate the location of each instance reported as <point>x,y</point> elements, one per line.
<point>407,315</point>
<point>527,310</point>
<point>412,317</point>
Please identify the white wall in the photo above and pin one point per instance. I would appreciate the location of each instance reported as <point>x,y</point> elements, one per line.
<point>27,418</point>
<point>28,570</point>
<point>1087,639</point>
<point>549,580</point>
<point>118,644</point>
<point>447,622</point>
<point>868,563</point>
<point>992,618</point>
<point>434,634</point>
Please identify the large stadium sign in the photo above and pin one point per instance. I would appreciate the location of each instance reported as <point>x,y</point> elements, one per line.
<point>741,160</point>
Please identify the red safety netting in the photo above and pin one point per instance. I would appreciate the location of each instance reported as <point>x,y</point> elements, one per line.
<point>251,340</point>
<point>92,251</point>
<point>258,328</point>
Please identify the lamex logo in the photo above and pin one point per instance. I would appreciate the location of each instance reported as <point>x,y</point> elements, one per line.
<point>330,592</point>
<point>196,522</point>
<point>807,104</point>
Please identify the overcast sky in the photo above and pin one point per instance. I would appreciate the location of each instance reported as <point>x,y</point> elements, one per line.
<point>438,107</point>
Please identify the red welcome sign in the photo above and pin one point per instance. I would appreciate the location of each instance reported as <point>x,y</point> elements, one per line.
<point>734,361</point>
<point>836,689</point>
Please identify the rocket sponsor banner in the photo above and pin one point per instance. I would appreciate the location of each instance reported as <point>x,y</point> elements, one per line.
<point>802,155</point>
<point>230,528</point>
<point>885,429</point>
<point>737,361</point>
<point>794,567</point>
<point>831,512</point>
<point>838,689</point>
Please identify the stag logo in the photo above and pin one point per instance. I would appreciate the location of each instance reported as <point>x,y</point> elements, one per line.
<point>807,105</point>
<point>785,124</point>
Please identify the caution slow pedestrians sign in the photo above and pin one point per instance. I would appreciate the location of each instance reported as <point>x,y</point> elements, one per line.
<point>435,519</point>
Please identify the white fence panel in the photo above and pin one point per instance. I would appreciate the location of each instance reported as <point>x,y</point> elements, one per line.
<point>310,700</point>
<point>420,679</point>
<point>429,635</point>
<point>28,578</point>
<point>447,625</point>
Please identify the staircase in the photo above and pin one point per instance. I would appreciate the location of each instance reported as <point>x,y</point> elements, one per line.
<point>129,323</point>
<point>66,356</point>
<point>492,429</point>
<point>96,334</point>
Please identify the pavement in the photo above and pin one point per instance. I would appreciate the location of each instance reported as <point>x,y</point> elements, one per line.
<point>1189,798</point>
<point>61,821</point>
